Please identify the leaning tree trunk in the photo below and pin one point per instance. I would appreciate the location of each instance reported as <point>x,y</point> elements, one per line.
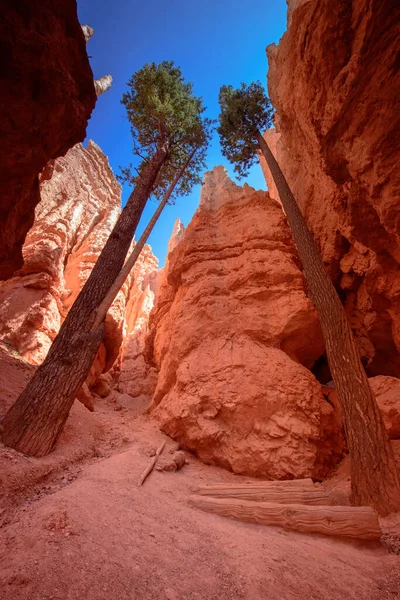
<point>101,312</point>
<point>374,476</point>
<point>34,422</point>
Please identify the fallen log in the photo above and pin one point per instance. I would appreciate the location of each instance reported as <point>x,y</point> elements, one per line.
<point>359,522</point>
<point>268,491</point>
<point>150,466</point>
<point>287,483</point>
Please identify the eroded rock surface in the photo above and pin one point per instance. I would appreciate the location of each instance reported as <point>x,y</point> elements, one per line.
<point>333,80</point>
<point>136,376</point>
<point>79,207</point>
<point>387,394</point>
<point>231,334</point>
<point>46,98</point>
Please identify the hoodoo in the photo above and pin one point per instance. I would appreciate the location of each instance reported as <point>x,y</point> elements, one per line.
<point>212,414</point>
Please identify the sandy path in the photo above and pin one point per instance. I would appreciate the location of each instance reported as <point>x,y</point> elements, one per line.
<point>100,537</point>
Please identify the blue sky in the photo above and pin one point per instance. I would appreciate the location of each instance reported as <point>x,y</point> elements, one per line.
<point>215,42</point>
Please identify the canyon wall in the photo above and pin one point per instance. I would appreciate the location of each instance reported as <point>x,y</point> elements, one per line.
<point>334,81</point>
<point>231,336</point>
<point>80,203</point>
<point>46,98</point>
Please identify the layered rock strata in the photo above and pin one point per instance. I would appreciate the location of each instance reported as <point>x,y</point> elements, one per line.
<point>80,203</point>
<point>334,81</point>
<point>231,335</point>
<point>46,98</point>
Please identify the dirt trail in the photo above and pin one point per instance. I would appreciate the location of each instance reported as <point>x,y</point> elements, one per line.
<point>93,534</point>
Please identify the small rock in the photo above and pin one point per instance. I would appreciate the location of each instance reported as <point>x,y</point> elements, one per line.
<point>102,387</point>
<point>179,458</point>
<point>174,448</point>
<point>85,397</point>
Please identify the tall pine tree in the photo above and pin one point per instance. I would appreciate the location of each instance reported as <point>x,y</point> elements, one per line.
<point>245,113</point>
<point>167,124</point>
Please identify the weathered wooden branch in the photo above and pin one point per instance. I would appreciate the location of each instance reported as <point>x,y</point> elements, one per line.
<point>359,522</point>
<point>269,491</point>
<point>150,467</point>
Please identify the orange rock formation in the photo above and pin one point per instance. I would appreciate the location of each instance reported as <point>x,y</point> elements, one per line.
<point>80,202</point>
<point>232,333</point>
<point>46,98</point>
<point>333,80</point>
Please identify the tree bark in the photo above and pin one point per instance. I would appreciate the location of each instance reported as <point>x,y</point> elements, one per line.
<point>268,491</point>
<point>34,423</point>
<point>374,476</point>
<point>344,521</point>
<point>128,266</point>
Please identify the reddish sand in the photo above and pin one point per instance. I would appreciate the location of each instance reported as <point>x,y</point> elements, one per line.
<point>87,531</point>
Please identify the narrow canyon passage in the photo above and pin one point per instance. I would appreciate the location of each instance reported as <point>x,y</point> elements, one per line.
<point>270,471</point>
<point>90,532</point>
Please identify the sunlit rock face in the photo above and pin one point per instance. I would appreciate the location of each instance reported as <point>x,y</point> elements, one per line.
<point>46,98</point>
<point>80,203</point>
<point>135,376</point>
<point>231,335</point>
<point>334,81</point>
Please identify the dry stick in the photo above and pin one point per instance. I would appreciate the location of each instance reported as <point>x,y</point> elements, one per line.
<point>150,467</point>
<point>126,269</point>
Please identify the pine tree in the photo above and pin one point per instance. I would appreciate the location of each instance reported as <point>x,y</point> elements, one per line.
<point>245,113</point>
<point>167,124</point>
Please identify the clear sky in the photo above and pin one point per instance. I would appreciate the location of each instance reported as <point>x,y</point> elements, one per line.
<point>215,42</point>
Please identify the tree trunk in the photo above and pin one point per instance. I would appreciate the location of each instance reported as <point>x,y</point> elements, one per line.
<point>344,521</point>
<point>269,491</point>
<point>34,422</point>
<point>128,266</point>
<point>374,476</point>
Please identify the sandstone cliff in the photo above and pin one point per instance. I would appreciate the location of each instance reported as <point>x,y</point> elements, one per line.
<point>80,203</point>
<point>46,98</point>
<point>232,333</point>
<point>334,81</point>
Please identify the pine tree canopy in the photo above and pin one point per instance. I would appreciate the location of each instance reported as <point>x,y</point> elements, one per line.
<point>244,112</point>
<point>162,109</point>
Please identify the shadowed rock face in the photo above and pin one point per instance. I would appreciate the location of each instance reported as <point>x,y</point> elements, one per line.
<point>230,334</point>
<point>46,98</point>
<point>80,203</point>
<point>334,81</point>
